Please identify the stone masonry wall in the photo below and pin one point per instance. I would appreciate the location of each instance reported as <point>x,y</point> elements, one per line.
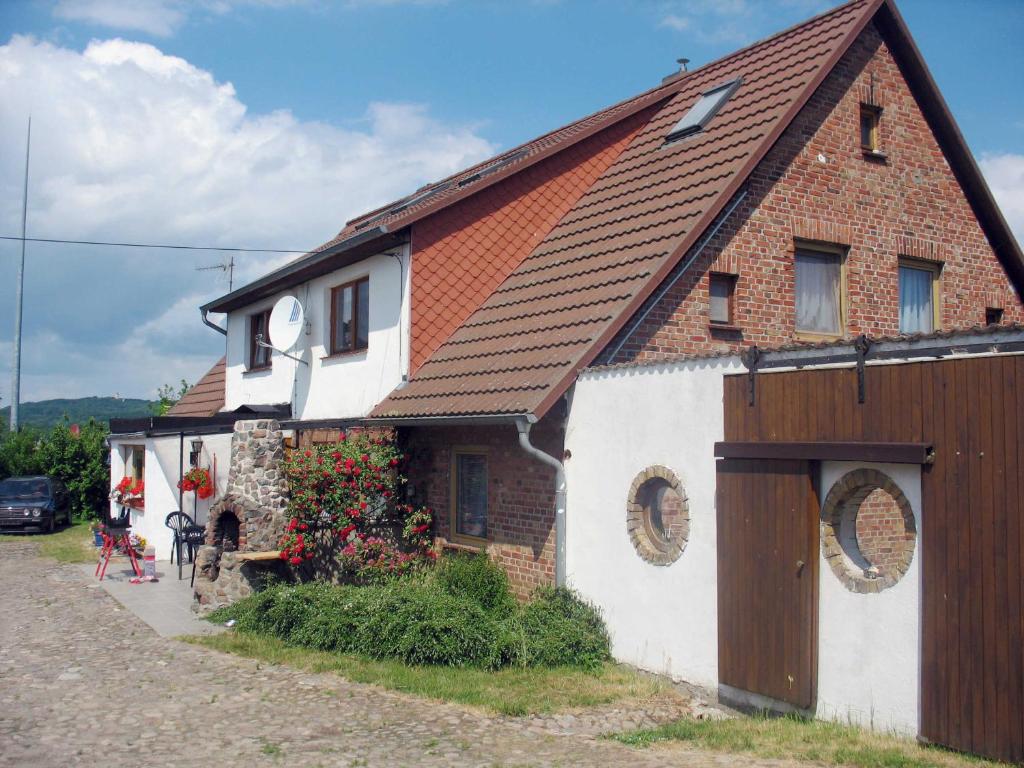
<point>257,494</point>
<point>520,497</point>
<point>906,204</point>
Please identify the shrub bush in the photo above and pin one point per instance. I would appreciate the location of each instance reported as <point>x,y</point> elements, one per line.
<point>560,628</point>
<point>480,580</point>
<point>448,618</point>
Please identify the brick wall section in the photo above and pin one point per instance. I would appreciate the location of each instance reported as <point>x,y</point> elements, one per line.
<point>881,534</point>
<point>908,204</point>
<point>461,254</point>
<point>521,494</point>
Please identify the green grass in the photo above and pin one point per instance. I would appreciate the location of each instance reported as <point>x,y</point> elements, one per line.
<point>73,544</point>
<point>510,691</point>
<point>800,739</point>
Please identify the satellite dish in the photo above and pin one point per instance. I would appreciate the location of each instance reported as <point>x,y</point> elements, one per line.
<point>285,323</point>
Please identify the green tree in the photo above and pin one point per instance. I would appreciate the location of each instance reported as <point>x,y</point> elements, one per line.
<point>168,395</point>
<point>80,461</point>
<point>19,453</point>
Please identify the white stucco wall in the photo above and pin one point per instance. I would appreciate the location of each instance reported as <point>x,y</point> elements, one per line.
<point>661,618</point>
<point>665,618</point>
<point>869,657</point>
<point>161,479</point>
<point>329,387</point>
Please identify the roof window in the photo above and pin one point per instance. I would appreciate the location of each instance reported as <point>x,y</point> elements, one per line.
<point>707,107</point>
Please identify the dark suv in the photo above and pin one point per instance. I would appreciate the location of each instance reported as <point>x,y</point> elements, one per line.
<point>33,503</point>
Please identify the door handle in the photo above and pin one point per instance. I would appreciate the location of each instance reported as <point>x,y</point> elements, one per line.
<point>800,567</point>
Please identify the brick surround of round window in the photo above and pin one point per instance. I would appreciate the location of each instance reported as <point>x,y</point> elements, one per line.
<point>868,533</point>
<point>658,515</point>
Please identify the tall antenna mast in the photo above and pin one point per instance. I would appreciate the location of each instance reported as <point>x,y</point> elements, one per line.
<point>228,267</point>
<point>19,292</point>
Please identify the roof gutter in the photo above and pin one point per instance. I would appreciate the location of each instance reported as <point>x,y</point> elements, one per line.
<point>203,312</point>
<point>523,426</point>
<point>291,270</point>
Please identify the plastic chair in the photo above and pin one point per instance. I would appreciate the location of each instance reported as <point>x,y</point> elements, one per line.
<point>179,522</point>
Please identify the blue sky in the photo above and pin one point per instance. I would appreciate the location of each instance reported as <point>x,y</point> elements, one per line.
<point>267,123</point>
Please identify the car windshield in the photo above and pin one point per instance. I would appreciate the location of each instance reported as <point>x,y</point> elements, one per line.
<point>24,489</point>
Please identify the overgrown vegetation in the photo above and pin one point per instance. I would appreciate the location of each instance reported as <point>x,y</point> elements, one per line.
<point>461,614</point>
<point>513,691</point>
<point>70,545</point>
<point>79,460</point>
<point>796,738</point>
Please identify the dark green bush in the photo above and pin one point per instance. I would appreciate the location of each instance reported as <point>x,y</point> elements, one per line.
<point>561,629</point>
<point>449,620</point>
<point>334,623</point>
<point>477,578</point>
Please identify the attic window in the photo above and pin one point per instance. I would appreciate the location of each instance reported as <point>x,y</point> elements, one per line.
<point>707,107</point>
<point>869,117</point>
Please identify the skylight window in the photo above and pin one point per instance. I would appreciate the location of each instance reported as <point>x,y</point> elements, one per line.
<point>707,107</point>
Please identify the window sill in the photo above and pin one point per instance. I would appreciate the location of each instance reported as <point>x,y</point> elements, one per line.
<point>255,371</point>
<point>478,545</point>
<point>874,154</point>
<point>724,327</point>
<point>342,355</point>
<point>817,337</point>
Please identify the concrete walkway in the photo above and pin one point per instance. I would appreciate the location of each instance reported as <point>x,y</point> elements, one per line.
<point>165,604</point>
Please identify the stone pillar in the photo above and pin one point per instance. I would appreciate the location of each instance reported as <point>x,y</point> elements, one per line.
<point>257,477</point>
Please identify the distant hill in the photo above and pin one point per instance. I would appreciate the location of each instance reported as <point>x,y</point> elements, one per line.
<point>47,413</point>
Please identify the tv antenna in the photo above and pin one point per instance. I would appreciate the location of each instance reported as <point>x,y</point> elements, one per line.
<point>227,267</point>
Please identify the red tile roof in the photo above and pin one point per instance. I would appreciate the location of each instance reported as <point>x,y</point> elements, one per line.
<point>206,397</point>
<point>463,252</point>
<point>520,350</point>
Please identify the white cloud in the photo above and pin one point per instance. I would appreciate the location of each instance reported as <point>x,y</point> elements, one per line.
<point>130,144</point>
<point>156,17</point>
<point>165,17</point>
<point>1005,176</point>
<point>673,21</point>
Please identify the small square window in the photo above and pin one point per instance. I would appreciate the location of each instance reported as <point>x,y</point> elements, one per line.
<point>869,118</point>
<point>993,315</point>
<point>720,298</point>
<point>918,296</point>
<point>819,291</point>
<point>469,493</point>
<point>705,108</point>
<point>259,356</point>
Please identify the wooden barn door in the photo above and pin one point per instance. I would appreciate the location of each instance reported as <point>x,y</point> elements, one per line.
<point>768,579</point>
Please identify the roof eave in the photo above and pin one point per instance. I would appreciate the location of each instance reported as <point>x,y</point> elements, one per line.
<point>311,265</point>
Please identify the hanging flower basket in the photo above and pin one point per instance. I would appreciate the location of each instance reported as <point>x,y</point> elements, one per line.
<point>197,479</point>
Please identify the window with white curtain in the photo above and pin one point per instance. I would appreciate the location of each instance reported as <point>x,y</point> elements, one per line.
<point>819,298</point>
<point>917,297</point>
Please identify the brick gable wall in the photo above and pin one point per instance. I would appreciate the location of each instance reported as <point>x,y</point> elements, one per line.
<point>462,253</point>
<point>908,204</point>
<point>521,498</point>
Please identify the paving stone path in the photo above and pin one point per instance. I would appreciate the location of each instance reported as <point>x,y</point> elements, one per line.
<point>85,683</point>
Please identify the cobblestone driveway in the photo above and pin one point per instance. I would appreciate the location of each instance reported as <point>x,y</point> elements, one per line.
<point>84,683</point>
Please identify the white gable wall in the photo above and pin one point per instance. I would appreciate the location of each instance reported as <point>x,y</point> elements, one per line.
<point>329,387</point>
<point>665,618</point>
<point>662,618</point>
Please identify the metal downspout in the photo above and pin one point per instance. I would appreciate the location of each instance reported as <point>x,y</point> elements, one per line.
<point>208,322</point>
<point>524,441</point>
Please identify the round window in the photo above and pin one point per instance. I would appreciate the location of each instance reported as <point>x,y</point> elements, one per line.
<point>868,531</point>
<point>657,516</point>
